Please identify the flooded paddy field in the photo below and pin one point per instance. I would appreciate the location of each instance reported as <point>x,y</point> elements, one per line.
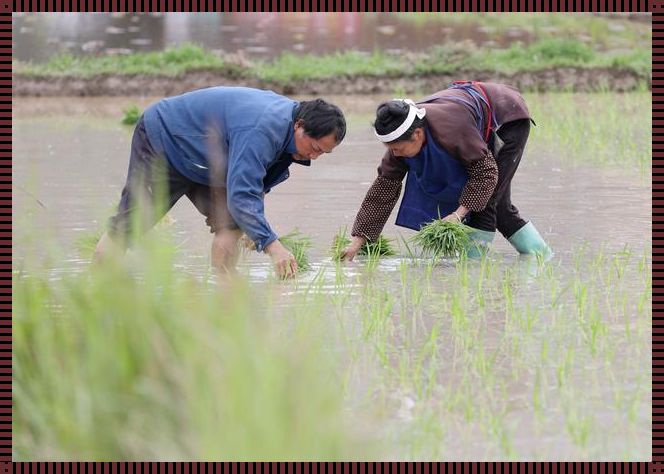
<point>501,358</point>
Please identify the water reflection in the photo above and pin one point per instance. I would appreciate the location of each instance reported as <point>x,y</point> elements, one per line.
<point>37,37</point>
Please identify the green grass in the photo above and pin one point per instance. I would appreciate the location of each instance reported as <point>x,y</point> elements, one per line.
<point>546,53</point>
<point>289,67</point>
<point>170,62</point>
<point>131,115</point>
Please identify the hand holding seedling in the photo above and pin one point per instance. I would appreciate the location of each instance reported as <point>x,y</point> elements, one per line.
<point>284,261</point>
<point>351,250</point>
<point>456,216</point>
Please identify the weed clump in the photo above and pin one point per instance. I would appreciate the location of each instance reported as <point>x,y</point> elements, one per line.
<point>131,115</point>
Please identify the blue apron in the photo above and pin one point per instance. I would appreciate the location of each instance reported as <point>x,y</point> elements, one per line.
<point>433,186</point>
<point>435,178</point>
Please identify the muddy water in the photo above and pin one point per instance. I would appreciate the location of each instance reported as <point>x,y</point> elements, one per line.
<point>70,159</point>
<point>70,162</point>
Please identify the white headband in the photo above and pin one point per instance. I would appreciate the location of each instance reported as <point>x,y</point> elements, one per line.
<point>413,112</point>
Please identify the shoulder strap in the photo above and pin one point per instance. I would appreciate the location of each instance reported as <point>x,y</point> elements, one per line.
<point>477,86</point>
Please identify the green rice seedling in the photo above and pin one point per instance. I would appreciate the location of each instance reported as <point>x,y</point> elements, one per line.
<point>339,243</point>
<point>588,127</point>
<point>298,245</point>
<point>431,369</point>
<point>86,243</point>
<point>376,310</point>
<point>131,115</point>
<point>497,429</point>
<point>593,327</point>
<point>442,239</point>
<point>578,426</point>
<point>564,368</point>
<point>538,402</point>
<point>409,252</point>
<point>380,248</point>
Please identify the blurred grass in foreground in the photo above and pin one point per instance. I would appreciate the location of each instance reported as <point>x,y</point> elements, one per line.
<point>153,364</point>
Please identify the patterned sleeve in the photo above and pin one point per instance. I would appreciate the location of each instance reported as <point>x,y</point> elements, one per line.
<point>482,179</point>
<point>376,208</point>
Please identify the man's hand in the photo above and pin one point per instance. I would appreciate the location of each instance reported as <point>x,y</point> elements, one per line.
<point>349,252</point>
<point>284,261</point>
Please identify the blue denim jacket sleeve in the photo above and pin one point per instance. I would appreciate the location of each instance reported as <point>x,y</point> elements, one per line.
<point>250,154</point>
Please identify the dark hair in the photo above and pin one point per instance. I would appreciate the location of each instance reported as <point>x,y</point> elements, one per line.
<point>320,118</point>
<point>390,115</point>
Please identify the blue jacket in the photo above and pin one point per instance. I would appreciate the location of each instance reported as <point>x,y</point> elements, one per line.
<point>232,137</point>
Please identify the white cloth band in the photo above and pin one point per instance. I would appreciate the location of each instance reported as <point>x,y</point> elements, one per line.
<point>413,111</point>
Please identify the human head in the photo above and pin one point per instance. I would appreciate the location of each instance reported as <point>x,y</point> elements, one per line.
<point>400,126</point>
<point>319,127</point>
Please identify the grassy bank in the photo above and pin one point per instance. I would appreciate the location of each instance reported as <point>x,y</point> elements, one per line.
<point>548,53</point>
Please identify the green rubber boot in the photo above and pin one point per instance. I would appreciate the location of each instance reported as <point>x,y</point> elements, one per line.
<point>528,241</point>
<point>479,242</point>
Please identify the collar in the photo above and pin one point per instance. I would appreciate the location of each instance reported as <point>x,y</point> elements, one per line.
<point>288,154</point>
<point>291,149</point>
<point>290,146</point>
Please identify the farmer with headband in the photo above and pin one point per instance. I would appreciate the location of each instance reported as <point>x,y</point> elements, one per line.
<point>459,150</point>
<point>224,148</point>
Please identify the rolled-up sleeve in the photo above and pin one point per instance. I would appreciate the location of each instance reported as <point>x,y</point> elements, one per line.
<point>250,154</point>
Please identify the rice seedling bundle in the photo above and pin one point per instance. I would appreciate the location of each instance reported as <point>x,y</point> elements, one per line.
<point>380,248</point>
<point>298,245</point>
<point>443,239</point>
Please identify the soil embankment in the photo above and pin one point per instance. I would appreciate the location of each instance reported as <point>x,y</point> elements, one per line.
<point>573,79</point>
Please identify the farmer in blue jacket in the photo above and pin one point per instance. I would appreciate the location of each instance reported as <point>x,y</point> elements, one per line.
<point>224,148</point>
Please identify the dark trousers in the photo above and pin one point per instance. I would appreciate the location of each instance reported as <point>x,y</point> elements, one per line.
<point>153,186</point>
<point>500,213</point>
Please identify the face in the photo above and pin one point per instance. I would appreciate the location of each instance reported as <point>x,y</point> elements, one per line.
<point>408,148</point>
<point>311,148</point>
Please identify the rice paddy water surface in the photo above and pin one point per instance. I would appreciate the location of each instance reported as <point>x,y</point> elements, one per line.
<point>392,358</point>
